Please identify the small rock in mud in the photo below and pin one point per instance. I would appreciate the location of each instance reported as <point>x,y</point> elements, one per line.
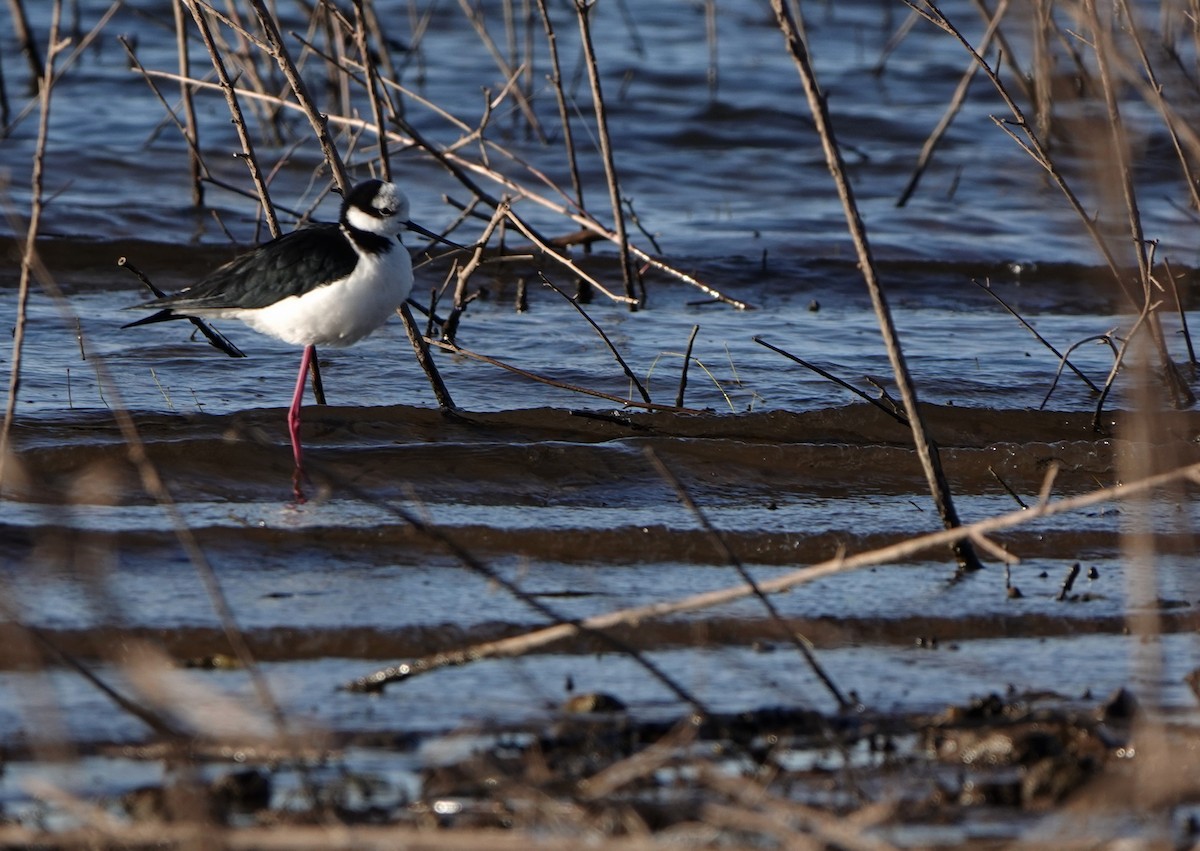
<point>594,701</point>
<point>215,662</point>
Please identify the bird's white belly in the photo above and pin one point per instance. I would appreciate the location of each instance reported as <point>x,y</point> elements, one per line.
<point>342,312</point>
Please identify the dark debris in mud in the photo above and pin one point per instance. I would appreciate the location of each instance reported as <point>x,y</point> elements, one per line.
<point>750,779</point>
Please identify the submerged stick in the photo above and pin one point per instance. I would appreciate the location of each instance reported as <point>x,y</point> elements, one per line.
<point>422,351</point>
<point>891,412</point>
<point>562,385</point>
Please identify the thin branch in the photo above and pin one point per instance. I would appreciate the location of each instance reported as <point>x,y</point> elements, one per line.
<point>926,448</point>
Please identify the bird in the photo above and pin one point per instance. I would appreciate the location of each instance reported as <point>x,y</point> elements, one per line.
<point>329,284</point>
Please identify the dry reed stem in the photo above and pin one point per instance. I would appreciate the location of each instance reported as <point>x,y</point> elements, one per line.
<point>329,837</point>
<point>29,46</point>
<point>583,10</point>
<point>560,98</point>
<point>373,94</point>
<point>29,252</point>
<point>521,644</point>
<point>191,133</point>
<point>952,109</point>
<point>239,120</point>
<point>926,448</point>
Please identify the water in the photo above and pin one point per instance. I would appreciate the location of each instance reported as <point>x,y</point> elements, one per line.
<point>551,489</point>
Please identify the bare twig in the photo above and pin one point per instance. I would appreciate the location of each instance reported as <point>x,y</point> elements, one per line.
<point>29,253</point>
<point>683,373</point>
<point>1063,360</point>
<point>600,331</point>
<point>891,412</point>
<point>583,9</point>
<point>926,448</point>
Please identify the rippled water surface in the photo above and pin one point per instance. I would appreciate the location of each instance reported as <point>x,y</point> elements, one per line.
<point>546,502</point>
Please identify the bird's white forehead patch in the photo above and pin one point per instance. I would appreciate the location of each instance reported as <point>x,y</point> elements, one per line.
<point>388,198</point>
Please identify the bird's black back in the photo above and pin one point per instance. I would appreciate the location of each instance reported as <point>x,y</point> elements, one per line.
<point>293,264</point>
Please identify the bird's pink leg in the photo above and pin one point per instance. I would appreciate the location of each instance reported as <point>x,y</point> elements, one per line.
<point>294,420</point>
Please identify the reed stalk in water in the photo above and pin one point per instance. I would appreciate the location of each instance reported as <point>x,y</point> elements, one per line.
<point>927,450</point>
<point>29,253</point>
<point>583,9</point>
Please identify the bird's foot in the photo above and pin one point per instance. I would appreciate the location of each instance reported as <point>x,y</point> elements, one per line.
<point>298,479</point>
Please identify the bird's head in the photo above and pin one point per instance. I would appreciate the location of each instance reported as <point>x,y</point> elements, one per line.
<point>376,207</point>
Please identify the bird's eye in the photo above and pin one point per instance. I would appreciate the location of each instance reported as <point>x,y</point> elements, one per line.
<point>386,211</point>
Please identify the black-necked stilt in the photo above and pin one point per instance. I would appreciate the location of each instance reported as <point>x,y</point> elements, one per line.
<point>327,285</point>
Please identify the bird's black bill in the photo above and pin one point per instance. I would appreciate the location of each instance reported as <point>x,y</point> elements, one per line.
<point>416,228</point>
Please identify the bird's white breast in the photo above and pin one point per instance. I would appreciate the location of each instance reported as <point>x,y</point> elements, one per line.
<point>342,312</point>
